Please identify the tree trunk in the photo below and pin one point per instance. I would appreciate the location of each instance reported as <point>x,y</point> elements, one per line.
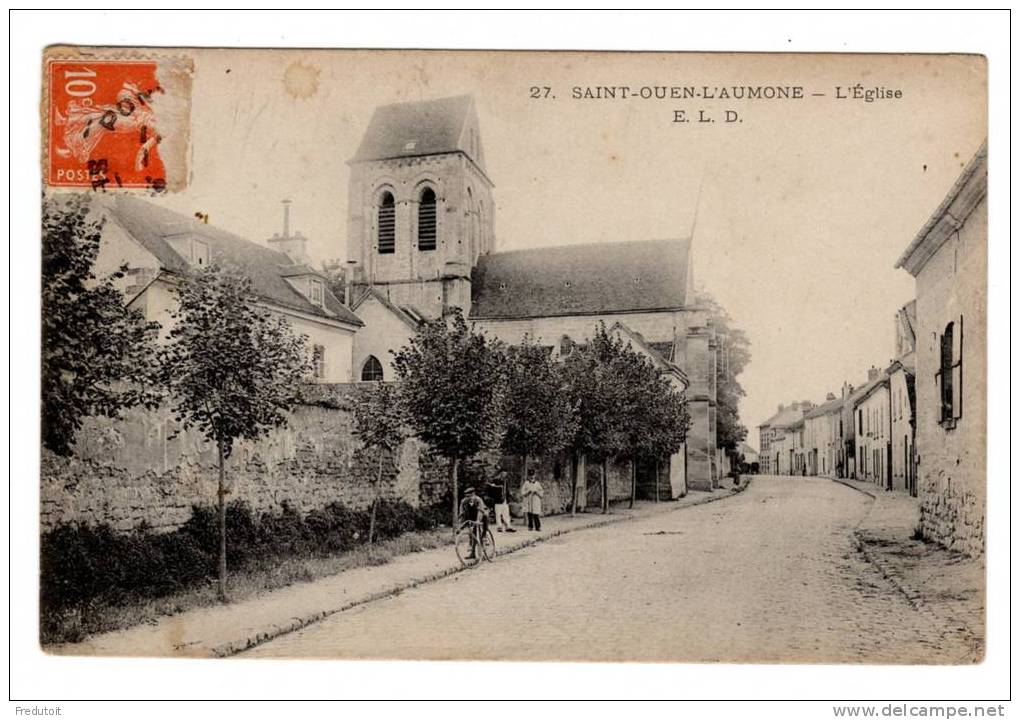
<point>221,512</point>
<point>453,491</point>
<point>656,480</point>
<point>574,467</point>
<point>605,486</point>
<point>633,482</point>
<point>375,502</point>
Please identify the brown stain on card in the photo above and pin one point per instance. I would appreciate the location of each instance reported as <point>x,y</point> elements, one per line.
<point>301,81</point>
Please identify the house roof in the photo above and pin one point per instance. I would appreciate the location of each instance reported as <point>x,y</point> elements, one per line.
<point>654,354</point>
<point>968,190</point>
<point>826,408</point>
<point>907,362</point>
<point>407,315</point>
<point>789,417</point>
<point>592,279</point>
<point>426,127</point>
<point>151,226</point>
<point>864,392</point>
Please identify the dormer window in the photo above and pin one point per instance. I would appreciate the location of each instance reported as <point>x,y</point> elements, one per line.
<point>316,294</point>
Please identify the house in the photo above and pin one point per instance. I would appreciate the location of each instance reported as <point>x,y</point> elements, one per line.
<point>871,408</point>
<point>948,260</point>
<point>750,457</point>
<point>822,436</point>
<point>161,248</point>
<point>765,464</point>
<point>421,240</point>
<point>786,441</point>
<point>902,375</point>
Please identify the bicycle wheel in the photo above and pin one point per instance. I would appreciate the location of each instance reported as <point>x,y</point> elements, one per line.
<point>462,544</point>
<point>488,545</point>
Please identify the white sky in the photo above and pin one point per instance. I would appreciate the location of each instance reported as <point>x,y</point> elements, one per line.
<point>805,205</point>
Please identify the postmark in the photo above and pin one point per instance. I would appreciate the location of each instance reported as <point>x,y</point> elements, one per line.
<point>117,122</point>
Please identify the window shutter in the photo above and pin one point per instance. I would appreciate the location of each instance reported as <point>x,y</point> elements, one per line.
<point>958,370</point>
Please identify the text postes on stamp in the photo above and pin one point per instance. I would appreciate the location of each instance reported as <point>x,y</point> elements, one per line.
<point>117,123</point>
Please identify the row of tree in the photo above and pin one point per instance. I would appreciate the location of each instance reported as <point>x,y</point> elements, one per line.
<point>463,393</point>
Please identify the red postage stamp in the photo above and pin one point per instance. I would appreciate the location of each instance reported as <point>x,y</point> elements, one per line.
<point>117,123</point>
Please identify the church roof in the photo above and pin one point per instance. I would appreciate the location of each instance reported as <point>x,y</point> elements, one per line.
<point>594,279</point>
<point>150,225</point>
<point>426,127</point>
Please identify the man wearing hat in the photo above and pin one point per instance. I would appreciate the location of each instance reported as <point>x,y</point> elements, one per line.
<point>472,508</point>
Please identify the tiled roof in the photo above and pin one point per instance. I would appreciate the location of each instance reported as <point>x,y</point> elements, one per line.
<point>589,279</point>
<point>150,225</point>
<point>827,407</point>
<point>788,418</point>
<point>426,127</point>
<point>865,390</point>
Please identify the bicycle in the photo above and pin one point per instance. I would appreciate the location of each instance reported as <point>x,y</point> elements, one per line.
<point>474,535</point>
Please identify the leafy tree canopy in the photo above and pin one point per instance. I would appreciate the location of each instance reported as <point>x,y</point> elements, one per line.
<point>538,414</point>
<point>98,356</point>
<point>234,368</point>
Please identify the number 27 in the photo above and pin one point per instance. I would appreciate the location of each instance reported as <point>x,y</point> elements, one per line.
<point>540,92</point>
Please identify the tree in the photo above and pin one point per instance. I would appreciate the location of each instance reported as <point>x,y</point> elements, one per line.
<point>734,356</point>
<point>98,356</point>
<point>378,424</point>
<point>538,415</point>
<point>452,381</point>
<point>598,398</point>
<point>234,370</point>
<point>664,426</point>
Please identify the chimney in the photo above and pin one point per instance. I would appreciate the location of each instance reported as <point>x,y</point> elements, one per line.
<point>830,397</point>
<point>781,407</point>
<point>349,282</point>
<point>293,246</point>
<point>872,373</point>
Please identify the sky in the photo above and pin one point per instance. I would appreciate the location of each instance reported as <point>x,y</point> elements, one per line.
<point>798,211</point>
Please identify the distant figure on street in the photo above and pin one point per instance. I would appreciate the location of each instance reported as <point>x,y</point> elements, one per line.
<point>531,493</point>
<point>499,497</point>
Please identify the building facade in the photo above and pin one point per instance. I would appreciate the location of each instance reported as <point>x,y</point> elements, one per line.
<point>421,235</point>
<point>948,259</point>
<point>871,410</point>
<point>161,248</point>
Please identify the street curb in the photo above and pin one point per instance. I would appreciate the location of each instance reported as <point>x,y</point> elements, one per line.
<point>299,623</point>
<point>913,596</point>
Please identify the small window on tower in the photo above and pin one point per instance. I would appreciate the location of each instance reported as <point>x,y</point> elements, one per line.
<point>427,220</point>
<point>387,225</point>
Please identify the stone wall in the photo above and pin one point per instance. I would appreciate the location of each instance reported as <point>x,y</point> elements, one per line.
<point>141,470</point>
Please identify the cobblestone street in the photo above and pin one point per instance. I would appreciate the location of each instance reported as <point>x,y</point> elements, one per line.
<point>770,575</point>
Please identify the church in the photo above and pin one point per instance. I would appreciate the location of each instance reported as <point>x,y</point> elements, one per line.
<point>421,238</point>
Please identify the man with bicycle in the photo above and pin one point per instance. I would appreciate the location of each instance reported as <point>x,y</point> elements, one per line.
<point>472,509</point>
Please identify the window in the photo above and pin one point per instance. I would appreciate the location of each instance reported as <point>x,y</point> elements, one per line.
<point>372,370</point>
<point>315,294</point>
<point>860,422</point>
<point>427,220</point>
<point>949,378</point>
<point>318,362</point>
<point>387,225</point>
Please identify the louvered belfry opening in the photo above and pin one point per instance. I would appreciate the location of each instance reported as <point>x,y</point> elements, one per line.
<point>427,220</point>
<point>387,225</point>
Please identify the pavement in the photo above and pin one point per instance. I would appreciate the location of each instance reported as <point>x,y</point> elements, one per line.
<point>774,574</point>
<point>224,630</point>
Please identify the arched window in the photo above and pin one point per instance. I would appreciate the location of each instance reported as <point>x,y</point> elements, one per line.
<point>372,370</point>
<point>387,224</point>
<point>427,220</point>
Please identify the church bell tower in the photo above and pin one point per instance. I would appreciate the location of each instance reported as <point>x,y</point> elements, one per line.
<point>420,208</point>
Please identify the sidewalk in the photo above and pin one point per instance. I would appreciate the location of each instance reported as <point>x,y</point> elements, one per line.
<point>224,630</point>
<point>933,579</point>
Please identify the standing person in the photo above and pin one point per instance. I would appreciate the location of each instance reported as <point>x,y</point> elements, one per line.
<point>499,496</point>
<point>531,492</point>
